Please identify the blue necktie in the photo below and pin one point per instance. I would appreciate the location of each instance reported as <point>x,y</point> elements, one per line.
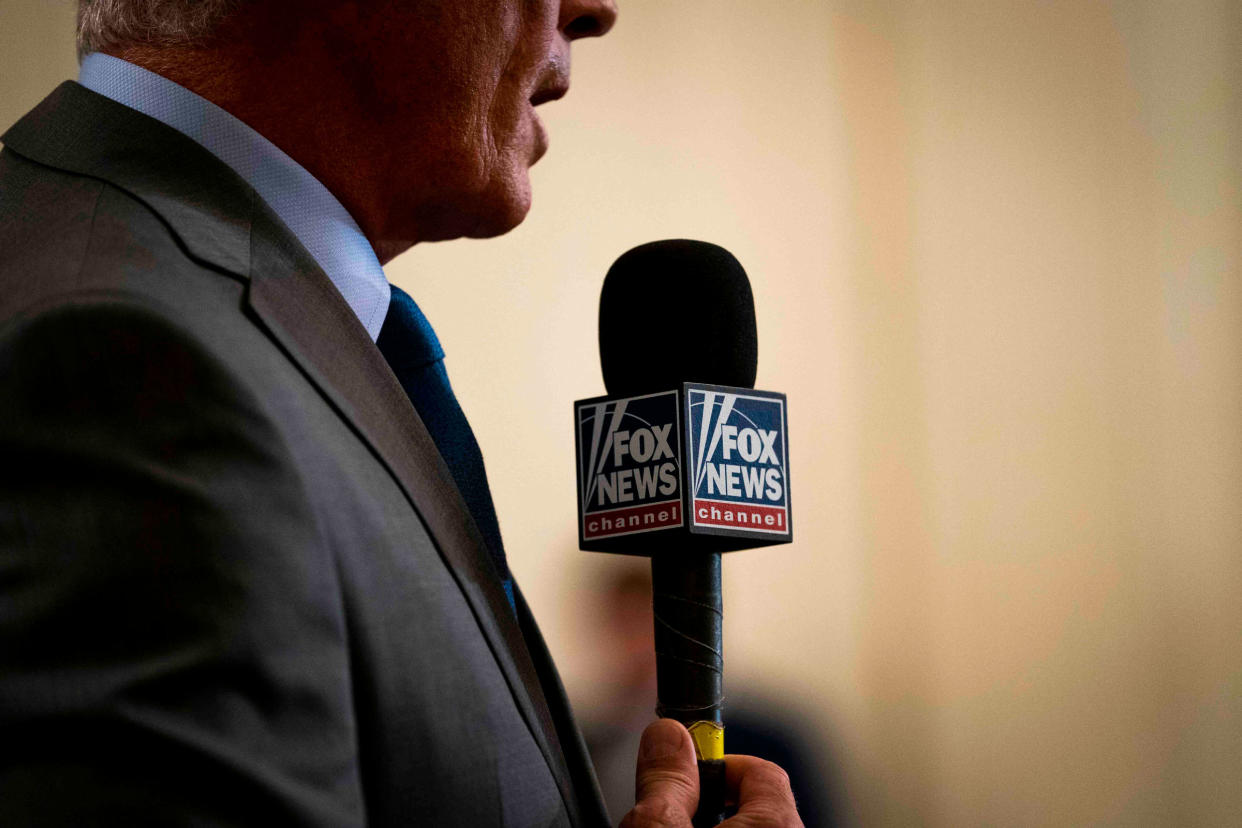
<point>413,352</point>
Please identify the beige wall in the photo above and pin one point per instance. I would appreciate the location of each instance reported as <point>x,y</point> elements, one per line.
<point>995,248</point>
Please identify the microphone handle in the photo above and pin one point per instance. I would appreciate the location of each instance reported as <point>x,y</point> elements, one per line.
<point>687,609</point>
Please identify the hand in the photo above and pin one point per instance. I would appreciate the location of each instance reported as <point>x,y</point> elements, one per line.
<point>668,785</point>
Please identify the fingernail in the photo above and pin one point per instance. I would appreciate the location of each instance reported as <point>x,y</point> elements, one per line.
<point>661,739</point>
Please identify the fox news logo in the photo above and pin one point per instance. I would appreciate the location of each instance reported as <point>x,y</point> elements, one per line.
<point>629,465</point>
<point>738,461</point>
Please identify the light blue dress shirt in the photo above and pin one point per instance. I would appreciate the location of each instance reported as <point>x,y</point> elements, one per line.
<point>313,214</point>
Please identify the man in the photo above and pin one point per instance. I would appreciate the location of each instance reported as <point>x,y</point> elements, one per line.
<point>249,568</point>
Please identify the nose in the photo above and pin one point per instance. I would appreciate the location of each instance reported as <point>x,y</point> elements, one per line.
<point>587,18</point>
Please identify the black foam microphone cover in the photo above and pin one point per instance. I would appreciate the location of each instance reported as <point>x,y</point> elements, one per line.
<point>676,311</point>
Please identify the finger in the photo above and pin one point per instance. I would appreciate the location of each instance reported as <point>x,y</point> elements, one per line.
<point>761,790</point>
<point>667,782</point>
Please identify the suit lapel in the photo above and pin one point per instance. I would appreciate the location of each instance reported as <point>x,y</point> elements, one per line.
<point>297,305</point>
<point>223,222</point>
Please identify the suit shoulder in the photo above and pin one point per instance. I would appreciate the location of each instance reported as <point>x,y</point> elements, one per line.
<point>63,233</point>
<point>45,221</point>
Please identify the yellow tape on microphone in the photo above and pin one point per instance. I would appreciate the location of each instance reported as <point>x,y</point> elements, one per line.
<point>708,740</point>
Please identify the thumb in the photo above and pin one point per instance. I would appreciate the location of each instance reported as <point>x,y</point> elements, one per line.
<point>667,784</point>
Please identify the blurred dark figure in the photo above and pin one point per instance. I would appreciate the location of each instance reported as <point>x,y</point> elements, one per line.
<point>613,724</point>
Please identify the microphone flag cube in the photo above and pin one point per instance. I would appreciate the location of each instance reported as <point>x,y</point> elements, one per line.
<point>705,466</point>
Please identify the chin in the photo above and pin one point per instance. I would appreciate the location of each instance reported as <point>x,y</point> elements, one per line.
<point>467,211</point>
<point>498,225</point>
<point>481,225</point>
<point>502,212</point>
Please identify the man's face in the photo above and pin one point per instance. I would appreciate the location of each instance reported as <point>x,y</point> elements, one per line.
<point>430,106</point>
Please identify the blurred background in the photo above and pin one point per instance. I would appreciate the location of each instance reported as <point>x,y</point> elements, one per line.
<point>995,249</point>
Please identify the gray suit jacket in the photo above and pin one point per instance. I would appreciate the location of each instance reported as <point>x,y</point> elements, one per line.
<point>237,582</point>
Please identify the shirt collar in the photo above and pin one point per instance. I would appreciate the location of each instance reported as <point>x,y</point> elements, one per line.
<point>323,226</point>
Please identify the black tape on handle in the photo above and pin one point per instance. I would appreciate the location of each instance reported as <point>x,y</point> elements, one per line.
<point>687,607</point>
<point>712,790</point>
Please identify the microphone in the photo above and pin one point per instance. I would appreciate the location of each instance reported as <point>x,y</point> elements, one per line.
<point>710,337</point>
<point>681,461</point>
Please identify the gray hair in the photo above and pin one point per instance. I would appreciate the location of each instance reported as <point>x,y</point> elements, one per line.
<point>114,24</point>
